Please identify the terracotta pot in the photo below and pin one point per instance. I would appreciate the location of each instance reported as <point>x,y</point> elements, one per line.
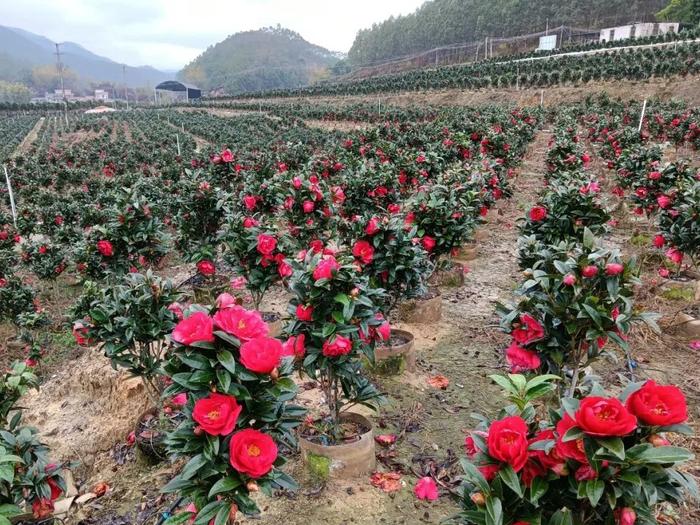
<point>393,359</point>
<point>421,311</point>
<point>207,291</point>
<point>450,277</point>
<point>688,325</point>
<point>348,460</point>
<point>151,449</point>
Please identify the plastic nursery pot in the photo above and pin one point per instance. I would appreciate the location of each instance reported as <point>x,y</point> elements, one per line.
<point>150,441</point>
<point>422,310</point>
<point>453,276</point>
<point>206,290</point>
<point>396,356</point>
<point>274,323</point>
<point>341,461</point>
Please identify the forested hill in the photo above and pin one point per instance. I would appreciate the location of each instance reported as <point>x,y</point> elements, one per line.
<point>442,22</point>
<point>269,58</point>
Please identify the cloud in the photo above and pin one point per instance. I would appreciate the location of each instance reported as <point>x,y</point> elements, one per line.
<point>170,33</point>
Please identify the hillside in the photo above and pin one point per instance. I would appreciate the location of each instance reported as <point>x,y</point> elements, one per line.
<point>268,58</point>
<point>21,51</point>
<point>442,22</point>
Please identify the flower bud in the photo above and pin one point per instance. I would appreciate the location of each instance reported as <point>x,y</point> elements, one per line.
<point>658,440</point>
<point>198,431</point>
<point>252,486</point>
<point>275,374</point>
<point>478,499</point>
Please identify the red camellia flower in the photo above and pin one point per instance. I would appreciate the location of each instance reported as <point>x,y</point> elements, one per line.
<point>604,417</point>
<point>308,206</point>
<point>338,346</point>
<point>249,201</point>
<point>363,251</point>
<point>217,414</point>
<point>520,359</point>
<point>241,323</point>
<point>261,355</point>
<point>589,271</point>
<point>198,327</point>
<point>489,471</point>
<point>325,268</point>
<point>250,222</point>
<point>384,331</point>
<point>547,459</point>
<point>305,313</point>
<point>42,508</point>
<point>585,473</point>
<point>284,269</point>
<point>625,516</point>
<point>252,452</point>
<point>426,489</point>
<point>294,346</point>
<point>612,269</point>
<point>538,213</point>
<point>658,405</point>
<point>428,243</point>
<point>206,267</point>
<point>530,330</point>
<point>507,441</point>
<point>573,449</point>
<point>266,244</point>
<point>664,201</point>
<point>675,255</point>
<point>569,279</point>
<point>105,248</point>
<point>372,226</point>
<point>80,334</point>
<point>659,241</point>
<point>227,156</point>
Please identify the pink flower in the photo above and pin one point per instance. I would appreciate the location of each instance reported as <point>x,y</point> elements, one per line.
<point>372,226</point>
<point>179,399</point>
<point>675,255</point>
<point>225,300</point>
<point>198,327</point>
<point>426,489</point>
<point>363,251</point>
<point>238,283</point>
<point>664,201</point>
<point>308,206</point>
<point>227,156</point>
<point>250,222</point>
<point>663,272</point>
<point>284,269</point>
<point>294,346</point>
<point>176,308</point>
<point>520,359</point>
<point>241,323</point>
<point>266,244</point>
<point>612,269</point>
<point>337,347</point>
<point>325,268</point>
<point>384,331</point>
<point>249,202</point>
<point>569,279</point>
<point>694,345</point>
<point>428,243</point>
<point>589,271</point>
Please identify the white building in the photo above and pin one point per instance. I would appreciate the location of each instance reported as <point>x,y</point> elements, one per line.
<point>637,30</point>
<point>102,94</point>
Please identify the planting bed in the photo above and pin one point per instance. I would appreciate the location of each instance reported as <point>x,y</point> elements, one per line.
<point>375,205</point>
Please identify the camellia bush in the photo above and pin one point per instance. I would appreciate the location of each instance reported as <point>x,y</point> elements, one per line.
<point>335,313</point>
<point>574,301</point>
<point>28,480</point>
<point>46,260</point>
<point>598,459</point>
<point>238,416</point>
<point>386,251</point>
<point>256,252</point>
<point>679,224</point>
<point>16,298</point>
<point>131,320</point>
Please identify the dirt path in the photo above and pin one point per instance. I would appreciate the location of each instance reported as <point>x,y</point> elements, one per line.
<point>200,143</point>
<point>30,138</point>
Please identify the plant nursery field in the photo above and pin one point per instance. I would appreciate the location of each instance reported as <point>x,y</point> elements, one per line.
<point>323,310</point>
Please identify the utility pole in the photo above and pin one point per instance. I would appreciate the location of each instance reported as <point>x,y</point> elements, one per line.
<point>59,66</point>
<point>126,88</point>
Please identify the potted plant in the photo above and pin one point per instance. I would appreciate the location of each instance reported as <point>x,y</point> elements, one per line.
<point>574,301</point>
<point>335,310</point>
<point>238,420</point>
<point>394,262</point>
<point>131,321</point>
<point>598,459</point>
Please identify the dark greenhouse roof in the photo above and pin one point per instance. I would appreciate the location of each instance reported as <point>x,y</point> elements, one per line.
<point>176,85</point>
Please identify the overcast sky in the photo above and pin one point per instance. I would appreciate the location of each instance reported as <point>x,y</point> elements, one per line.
<point>169,33</point>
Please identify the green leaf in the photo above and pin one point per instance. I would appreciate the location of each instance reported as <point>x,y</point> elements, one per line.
<point>193,465</point>
<point>223,515</point>
<point>472,473</point>
<point>614,445</point>
<point>179,518</point>
<point>594,490</point>
<point>538,488</point>
<point>572,434</point>
<point>661,455</point>
<point>224,485</point>
<point>494,511</point>
<point>561,517</point>
<point>510,478</point>
<point>227,361</point>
